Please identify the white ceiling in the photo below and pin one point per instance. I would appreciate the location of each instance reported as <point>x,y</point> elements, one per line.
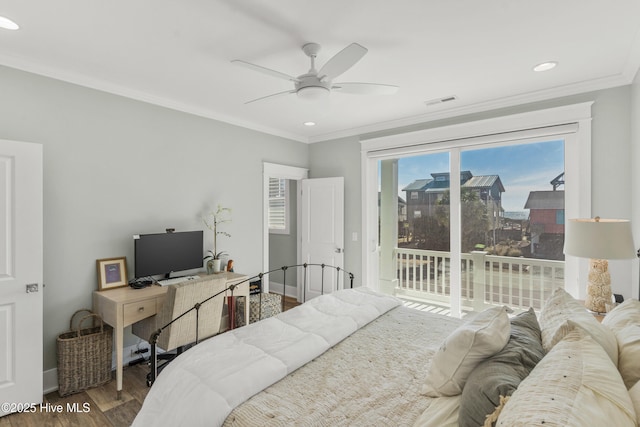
<point>177,53</point>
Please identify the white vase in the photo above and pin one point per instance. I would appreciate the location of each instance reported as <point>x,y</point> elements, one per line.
<point>216,265</point>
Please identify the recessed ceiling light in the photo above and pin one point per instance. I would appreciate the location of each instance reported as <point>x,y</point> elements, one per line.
<point>309,123</point>
<point>8,24</point>
<point>545,66</point>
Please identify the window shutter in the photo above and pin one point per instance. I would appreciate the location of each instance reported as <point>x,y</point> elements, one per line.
<point>278,202</point>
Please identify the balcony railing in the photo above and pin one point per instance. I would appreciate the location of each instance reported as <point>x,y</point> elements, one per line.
<point>485,279</point>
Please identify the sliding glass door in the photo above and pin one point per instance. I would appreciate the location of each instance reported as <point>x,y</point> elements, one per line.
<point>493,235</point>
<point>512,223</point>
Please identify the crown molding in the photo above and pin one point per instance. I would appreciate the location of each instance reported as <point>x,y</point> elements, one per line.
<point>115,89</point>
<point>364,132</point>
<point>369,131</point>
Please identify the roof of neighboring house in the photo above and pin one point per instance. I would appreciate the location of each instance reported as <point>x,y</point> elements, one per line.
<point>470,181</point>
<point>545,200</point>
<point>485,181</point>
<point>418,184</point>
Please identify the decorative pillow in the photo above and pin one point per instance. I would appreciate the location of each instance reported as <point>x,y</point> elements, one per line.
<point>478,338</point>
<point>573,385</point>
<point>634,393</point>
<point>629,354</point>
<point>442,412</point>
<point>560,308</point>
<point>499,375</point>
<point>627,313</point>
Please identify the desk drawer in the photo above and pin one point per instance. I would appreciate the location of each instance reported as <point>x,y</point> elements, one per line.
<point>135,311</point>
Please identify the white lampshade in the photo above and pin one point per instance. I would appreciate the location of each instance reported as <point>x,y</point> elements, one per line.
<point>599,238</point>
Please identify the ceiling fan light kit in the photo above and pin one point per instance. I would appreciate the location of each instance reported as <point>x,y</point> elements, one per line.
<point>316,84</point>
<point>312,92</point>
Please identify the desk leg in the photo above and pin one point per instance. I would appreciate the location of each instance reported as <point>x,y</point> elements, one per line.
<point>246,309</point>
<point>231,308</point>
<point>119,349</point>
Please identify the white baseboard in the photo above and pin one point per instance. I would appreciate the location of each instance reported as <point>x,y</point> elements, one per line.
<point>277,288</point>
<point>50,380</point>
<point>50,377</point>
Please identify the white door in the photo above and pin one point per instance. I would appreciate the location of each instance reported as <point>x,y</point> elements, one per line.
<point>322,233</point>
<point>20,275</point>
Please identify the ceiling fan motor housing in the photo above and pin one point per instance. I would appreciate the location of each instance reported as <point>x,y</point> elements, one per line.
<point>309,86</point>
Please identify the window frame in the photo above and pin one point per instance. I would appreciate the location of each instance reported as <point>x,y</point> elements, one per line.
<point>570,122</point>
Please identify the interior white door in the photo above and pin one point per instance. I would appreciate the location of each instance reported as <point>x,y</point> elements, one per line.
<point>20,275</point>
<point>322,234</point>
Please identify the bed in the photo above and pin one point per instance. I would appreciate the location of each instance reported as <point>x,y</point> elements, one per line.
<point>359,358</point>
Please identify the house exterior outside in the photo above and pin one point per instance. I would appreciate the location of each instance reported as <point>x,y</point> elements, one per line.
<point>423,195</point>
<point>546,222</point>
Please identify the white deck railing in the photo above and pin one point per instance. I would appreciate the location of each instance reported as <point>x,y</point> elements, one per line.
<point>485,279</point>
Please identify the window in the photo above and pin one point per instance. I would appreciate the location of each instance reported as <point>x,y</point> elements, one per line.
<point>414,195</point>
<point>278,206</point>
<point>569,124</point>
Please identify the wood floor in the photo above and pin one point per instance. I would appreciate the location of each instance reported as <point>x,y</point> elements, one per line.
<point>100,406</point>
<point>97,406</point>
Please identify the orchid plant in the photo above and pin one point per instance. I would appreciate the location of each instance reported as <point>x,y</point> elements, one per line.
<point>212,220</point>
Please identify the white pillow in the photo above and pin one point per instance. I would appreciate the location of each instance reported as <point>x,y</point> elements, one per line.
<point>554,323</point>
<point>634,393</point>
<point>478,338</point>
<point>629,354</point>
<point>627,313</point>
<point>442,412</point>
<point>573,385</point>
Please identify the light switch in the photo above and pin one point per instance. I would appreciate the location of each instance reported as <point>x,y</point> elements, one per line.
<point>354,236</point>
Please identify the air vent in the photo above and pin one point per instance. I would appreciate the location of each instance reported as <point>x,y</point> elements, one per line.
<point>441,100</point>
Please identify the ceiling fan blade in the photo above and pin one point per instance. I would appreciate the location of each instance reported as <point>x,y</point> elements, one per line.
<point>342,61</point>
<point>365,88</point>
<point>264,70</point>
<point>273,95</point>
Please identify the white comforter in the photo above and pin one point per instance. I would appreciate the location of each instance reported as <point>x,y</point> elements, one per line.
<point>204,384</point>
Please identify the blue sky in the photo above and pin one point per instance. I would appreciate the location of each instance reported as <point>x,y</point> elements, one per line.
<point>522,168</point>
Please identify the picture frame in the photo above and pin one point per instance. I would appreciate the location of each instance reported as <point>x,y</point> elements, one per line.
<point>112,273</point>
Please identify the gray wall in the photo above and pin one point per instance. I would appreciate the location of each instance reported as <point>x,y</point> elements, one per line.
<point>342,158</point>
<point>612,179</point>
<point>114,167</point>
<point>283,250</point>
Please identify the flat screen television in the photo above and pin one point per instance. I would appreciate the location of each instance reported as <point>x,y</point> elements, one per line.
<point>165,253</point>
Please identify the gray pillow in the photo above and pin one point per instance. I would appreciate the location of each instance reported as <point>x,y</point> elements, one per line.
<point>501,373</point>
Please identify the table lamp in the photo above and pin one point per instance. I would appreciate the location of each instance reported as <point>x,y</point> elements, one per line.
<point>600,240</point>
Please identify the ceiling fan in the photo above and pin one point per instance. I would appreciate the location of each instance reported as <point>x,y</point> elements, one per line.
<point>318,84</point>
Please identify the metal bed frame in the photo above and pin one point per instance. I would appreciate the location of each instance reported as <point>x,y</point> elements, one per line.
<point>153,340</point>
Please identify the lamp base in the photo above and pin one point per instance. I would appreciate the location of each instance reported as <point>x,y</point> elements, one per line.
<point>599,286</point>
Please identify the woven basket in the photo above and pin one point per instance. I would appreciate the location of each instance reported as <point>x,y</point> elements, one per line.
<point>84,355</point>
<point>261,306</point>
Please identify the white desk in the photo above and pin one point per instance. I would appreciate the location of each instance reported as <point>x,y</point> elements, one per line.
<point>122,307</point>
